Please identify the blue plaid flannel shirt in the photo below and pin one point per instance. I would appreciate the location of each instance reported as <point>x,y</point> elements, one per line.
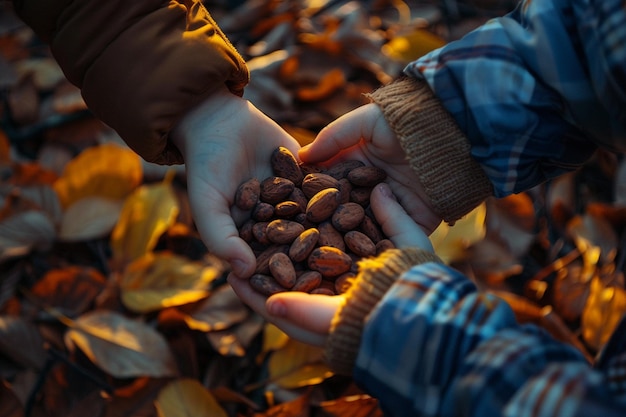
<point>434,346</point>
<point>538,90</point>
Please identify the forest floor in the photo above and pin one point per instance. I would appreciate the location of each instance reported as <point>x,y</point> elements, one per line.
<point>102,315</point>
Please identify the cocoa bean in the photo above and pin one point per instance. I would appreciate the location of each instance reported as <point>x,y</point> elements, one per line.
<point>366,176</point>
<point>247,194</point>
<point>304,244</point>
<point>284,164</point>
<point>322,205</point>
<point>329,261</point>
<point>276,189</point>
<point>266,284</point>
<point>282,270</point>
<point>308,281</point>
<point>359,244</point>
<point>283,231</point>
<point>347,216</point>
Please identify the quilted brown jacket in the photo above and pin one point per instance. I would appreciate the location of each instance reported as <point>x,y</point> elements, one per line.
<point>141,65</point>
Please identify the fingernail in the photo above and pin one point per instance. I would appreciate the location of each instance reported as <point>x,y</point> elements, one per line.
<point>276,308</point>
<point>385,190</point>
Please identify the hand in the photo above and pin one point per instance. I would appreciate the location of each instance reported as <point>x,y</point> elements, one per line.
<point>364,134</point>
<point>307,317</point>
<point>225,141</point>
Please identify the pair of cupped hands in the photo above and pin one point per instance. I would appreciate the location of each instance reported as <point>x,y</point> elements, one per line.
<point>226,140</point>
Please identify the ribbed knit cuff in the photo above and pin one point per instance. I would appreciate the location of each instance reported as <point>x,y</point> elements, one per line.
<point>438,151</point>
<point>375,277</point>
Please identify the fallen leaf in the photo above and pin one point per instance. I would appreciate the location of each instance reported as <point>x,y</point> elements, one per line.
<point>122,347</point>
<point>21,341</point>
<point>147,213</point>
<point>298,407</point>
<point>298,365</point>
<point>10,405</point>
<point>450,242</point>
<point>352,406</point>
<point>160,280</point>
<point>410,46</point>
<point>187,398</point>
<point>105,171</point>
<point>220,311</point>
<point>24,231</point>
<point>235,340</point>
<point>604,309</point>
<point>70,290</point>
<point>89,218</point>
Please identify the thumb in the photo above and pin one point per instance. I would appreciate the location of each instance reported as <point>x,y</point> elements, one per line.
<point>312,312</point>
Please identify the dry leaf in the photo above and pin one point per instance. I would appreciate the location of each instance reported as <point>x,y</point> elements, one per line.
<point>570,291</point>
<point>122,347</point>
<point>46,72</point>
<point>410,46</point>
<point>23,101</point>
<point>273,338</point>
<point>512,220</point>
<point>24,231</point>
<point>10,405</point>
<point>157,281</point>
<point>220,311</point>
<point>491,260</point>
<point>298,365</point>
<point>450,242</point>
<point>235,340</point>
<point>594,237</point>
<point>299,407</point>
<point>21,341</point>
<point>106,171</point>
<point>69,290</point>
<point>187,398</point>
<point>605,307</point>
<point>89,218</point>
<point>352,406</point>
<point>147,213</point>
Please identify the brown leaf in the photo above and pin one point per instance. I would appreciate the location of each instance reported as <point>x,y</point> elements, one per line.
<point>235,340</point>
<point>24,231</point>
<point>605,307</point>
<point>298,365</point>
<point>122,347</point>
<point>298,407</point>
<point>220,311</point>
<point>352,406</point>
<point>21,341</point>
<point>89,218</point>
<point>591,234</point>
<point>70,290</point>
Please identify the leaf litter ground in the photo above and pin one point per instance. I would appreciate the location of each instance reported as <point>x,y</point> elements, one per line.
<point>108,308</point>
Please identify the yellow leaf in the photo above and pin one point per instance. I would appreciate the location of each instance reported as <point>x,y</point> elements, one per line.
<point>156,281</point>
<point>187,398</point>
<point>603,311</point>
<point>450,242</point>
<point>409,47</point>
<point>220,311</point>
<point>107,171</point>
<point>274,338</point>
<point>122,347</point>
<point>146,214</point>
<point>298,365</point>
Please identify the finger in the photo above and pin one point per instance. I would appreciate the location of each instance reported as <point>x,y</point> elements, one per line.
<point>221,236</point>
<point>313,312</point>
<point>341,134</point>
<point>394,220</point>
<point>257,302</point>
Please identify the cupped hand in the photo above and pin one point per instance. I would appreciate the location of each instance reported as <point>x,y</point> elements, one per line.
<point>364,134</point>
<point>307,317</point>
<point>226,141</point>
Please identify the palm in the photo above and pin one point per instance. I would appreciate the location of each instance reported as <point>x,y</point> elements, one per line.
<point>364,134</point>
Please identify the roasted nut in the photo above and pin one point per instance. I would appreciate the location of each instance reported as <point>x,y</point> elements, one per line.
<point>275,189</point>
<point>304,244</point>
<point>308,281</point>
<point>341,169</point>
<point>329,236</point>
<point>384,244</point>
<point>287,209</point>
<point>282,270</point>
<point>347,216</point>
<point>263,212</point>
<point>266,284</point>
<point>247,194</point>
<point>283,231</point>
<point>284,164</point>
<point>329,261</point>
<point>259,231</point>
<point>263,259</point>
<point>314,183</point>
<point>359,244</point>
<point>366,176</point>
<point>322,205</point>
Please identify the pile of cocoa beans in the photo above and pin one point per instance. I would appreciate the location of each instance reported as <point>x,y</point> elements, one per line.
<point>309,226</point>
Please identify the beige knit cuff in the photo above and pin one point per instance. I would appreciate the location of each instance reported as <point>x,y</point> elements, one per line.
<point>437,149</point>
<point>375,277</point>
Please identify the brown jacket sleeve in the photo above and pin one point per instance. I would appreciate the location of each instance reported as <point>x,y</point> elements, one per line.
<point>140,64</point>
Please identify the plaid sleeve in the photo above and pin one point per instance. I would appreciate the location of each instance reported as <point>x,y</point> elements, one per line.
<point>538,90</point>
<point>434,346</point>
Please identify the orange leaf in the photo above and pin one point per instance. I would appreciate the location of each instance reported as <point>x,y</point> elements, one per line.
<point>187,398</point>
